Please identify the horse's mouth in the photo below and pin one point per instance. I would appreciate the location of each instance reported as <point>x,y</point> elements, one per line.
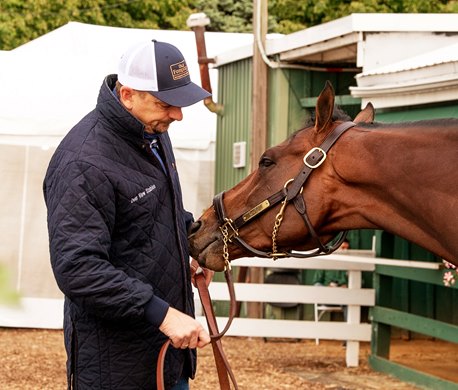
<point>203,252</point>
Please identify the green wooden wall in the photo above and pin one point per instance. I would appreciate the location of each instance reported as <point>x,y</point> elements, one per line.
<point>234,93</point>
<point>404,114</point>
<point>288,111</point>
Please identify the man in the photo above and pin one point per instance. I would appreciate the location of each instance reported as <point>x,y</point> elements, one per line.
<point>333,278</point>
<point>118,229</point>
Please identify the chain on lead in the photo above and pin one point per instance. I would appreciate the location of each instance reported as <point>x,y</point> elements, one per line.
<point>226,239</point>
<point>278,221</point>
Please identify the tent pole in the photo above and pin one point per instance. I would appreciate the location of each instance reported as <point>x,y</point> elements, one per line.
<point>22,223</point>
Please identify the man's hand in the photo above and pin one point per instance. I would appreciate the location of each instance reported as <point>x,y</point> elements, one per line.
<point>195,267</point>
<point>183,330</point>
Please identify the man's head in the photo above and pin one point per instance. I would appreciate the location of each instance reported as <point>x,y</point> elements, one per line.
<point>154,83</point>
<point>160,69</point>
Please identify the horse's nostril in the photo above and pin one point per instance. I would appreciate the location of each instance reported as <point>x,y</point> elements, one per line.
<point>194,227</point>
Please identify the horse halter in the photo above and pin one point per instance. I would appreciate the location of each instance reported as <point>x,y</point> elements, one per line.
<point>290,192</point>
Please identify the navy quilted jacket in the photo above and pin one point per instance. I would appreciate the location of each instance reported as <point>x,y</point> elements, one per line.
<point>117,232</point>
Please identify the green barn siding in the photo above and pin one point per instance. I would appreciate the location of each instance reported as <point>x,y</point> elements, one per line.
<point>425,299</point>
<point>278,108</point>
<point>404,114</point>
<point>287,90</point>
<point>286,113</point>
<point>234,86</point>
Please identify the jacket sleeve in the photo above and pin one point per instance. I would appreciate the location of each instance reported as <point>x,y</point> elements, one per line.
<point>81,216</point>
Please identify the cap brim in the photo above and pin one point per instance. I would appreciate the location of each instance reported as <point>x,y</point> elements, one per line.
<point>183,96</point>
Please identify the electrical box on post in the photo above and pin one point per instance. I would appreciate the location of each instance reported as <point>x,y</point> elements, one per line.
<point>239,154</point>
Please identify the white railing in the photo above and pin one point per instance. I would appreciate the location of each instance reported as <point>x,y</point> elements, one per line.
<point>352,330</point>
<point>48,313</point>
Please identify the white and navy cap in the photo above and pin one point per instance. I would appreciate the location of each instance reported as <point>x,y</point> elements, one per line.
<point>160,69</point>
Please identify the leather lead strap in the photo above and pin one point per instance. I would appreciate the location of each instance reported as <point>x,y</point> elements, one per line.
<point>160,366</point>
<point>222,364</point>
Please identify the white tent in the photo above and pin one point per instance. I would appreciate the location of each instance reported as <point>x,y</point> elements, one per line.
<point>47,85</point>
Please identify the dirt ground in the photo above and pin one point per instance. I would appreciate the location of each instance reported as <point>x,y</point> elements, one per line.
<point>35,359</point>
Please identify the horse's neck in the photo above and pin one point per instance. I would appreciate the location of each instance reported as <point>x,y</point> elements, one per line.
<point>403,182</point>
<point>393,159</point>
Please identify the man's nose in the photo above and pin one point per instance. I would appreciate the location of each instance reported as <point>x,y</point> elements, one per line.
<point>176,113</point>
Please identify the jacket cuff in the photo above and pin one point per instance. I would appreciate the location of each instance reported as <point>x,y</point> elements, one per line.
<point>155,310</point>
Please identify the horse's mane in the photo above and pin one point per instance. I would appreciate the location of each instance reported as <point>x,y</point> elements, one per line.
<point>337,115</point>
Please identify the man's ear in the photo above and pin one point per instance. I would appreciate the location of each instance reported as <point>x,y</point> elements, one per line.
<point>125,96</point>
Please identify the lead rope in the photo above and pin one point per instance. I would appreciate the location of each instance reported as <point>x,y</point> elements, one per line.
<point>222,364</point>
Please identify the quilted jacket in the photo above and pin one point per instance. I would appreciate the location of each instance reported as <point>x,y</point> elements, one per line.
<point>117,233</point>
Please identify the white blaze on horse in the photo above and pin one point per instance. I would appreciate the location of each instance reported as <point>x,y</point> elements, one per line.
<point>336,175</point>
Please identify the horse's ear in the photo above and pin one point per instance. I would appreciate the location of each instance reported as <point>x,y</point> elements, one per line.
<point>367,115</point>
<point>324,107</point>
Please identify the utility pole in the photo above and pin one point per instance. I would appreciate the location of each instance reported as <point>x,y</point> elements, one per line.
<point>259,119</point>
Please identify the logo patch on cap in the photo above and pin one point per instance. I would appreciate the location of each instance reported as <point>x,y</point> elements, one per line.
<point>179,70</point>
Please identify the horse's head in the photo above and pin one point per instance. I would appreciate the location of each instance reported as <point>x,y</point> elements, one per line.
<point>267,226</point>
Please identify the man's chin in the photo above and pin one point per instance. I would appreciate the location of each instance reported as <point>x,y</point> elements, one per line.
<point>161,127</point>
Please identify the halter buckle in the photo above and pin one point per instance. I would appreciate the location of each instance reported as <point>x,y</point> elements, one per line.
<point>233,231</point>
<point>319,162</point>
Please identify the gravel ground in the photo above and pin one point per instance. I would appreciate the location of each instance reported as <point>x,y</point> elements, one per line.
<point>35,359</point>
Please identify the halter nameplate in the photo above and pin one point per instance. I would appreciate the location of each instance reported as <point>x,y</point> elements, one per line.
<point>256,210</point>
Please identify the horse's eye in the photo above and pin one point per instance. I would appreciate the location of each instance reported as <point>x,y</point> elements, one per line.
<point>265,162</point>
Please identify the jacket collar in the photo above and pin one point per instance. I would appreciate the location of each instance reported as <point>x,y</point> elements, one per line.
<point>120,120</point>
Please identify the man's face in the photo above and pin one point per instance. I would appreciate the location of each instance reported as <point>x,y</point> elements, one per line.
<point>152,112</point>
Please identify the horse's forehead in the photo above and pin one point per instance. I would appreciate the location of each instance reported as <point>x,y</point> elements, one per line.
<point>300,139</point>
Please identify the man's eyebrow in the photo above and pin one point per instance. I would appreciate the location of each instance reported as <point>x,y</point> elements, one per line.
<point>160,102</point>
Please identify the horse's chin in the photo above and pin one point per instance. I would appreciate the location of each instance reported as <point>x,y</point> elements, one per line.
<point>215,263</point>
<point>211,256</point>
<point>210,260</point>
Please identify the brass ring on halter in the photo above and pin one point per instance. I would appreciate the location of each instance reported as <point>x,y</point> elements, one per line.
<point>286,184</point>
<point>289,181</point>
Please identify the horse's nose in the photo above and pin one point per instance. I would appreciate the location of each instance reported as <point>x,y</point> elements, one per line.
<point>195,226</point>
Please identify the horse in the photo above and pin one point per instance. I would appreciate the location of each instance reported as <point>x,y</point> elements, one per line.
<point>336,175</point>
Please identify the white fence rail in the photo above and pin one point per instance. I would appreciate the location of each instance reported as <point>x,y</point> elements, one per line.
<point>352,330</point>
<point>48,313</point>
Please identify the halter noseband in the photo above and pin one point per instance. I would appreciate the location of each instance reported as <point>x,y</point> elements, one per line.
<point>290,192</point>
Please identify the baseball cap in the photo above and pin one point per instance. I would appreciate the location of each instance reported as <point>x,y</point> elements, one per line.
<point>160,69</point>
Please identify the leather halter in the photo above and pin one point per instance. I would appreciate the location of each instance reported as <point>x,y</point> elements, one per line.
<point>290,192</point>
